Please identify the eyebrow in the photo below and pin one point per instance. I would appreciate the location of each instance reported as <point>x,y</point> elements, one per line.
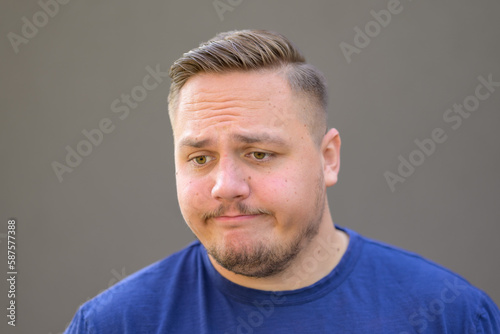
<point>259,138</point>
<point>246,139</point>
<point>190,142</point>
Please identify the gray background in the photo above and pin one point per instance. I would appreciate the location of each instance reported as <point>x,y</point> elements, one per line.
<point>117,211</point>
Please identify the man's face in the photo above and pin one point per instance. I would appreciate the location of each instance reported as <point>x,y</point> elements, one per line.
<point>249,176</point>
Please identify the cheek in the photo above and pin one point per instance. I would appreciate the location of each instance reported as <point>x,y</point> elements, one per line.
<point>193,194</point>
<point>278,191</point>
<point>292,189</point>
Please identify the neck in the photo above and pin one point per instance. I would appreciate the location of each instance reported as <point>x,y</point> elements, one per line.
<point>316,260</point>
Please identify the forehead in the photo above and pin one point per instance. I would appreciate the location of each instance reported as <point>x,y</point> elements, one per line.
<point>239,87</point>
<point>235,98</point>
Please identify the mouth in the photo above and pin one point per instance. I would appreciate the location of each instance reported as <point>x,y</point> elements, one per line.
<point>241,215</point>
<point>235,218</point>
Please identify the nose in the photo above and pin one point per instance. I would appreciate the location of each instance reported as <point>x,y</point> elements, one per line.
<point>230,182</point>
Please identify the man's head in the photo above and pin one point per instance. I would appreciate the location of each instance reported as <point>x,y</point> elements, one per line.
<point>251,154</point>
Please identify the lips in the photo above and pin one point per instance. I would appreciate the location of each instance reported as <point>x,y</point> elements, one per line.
<point>235,218</point>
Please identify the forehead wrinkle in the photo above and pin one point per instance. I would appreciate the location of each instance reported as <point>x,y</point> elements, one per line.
<point>209,113</point>
<point>224,103</point>
<point>245,98</point>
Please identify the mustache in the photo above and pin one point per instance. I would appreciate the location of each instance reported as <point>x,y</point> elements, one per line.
<point>242,209</point>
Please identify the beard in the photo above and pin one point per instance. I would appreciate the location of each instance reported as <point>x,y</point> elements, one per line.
<point>266,257</point>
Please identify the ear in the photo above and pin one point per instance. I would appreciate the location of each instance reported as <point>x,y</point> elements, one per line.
<point>330,152</point>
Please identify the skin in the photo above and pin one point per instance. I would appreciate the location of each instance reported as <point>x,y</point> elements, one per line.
<point>251,181</point>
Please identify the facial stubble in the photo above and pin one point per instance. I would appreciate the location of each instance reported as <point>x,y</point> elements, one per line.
<point>266,257</point>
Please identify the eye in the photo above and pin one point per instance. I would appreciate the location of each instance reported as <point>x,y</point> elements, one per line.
<point>260,155</point>
<point>201,160</point>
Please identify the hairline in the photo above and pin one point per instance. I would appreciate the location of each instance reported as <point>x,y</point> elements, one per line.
<point>282,70</point>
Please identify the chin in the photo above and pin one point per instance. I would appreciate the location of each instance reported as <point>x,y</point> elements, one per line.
<point>254,258</point>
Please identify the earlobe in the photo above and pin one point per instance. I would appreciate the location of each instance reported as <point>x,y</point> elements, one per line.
<point>330,151</point>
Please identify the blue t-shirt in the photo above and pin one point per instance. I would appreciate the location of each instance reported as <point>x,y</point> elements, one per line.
<point>375,288</point>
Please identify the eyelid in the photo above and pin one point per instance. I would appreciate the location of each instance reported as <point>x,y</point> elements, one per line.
<point>198,153</point>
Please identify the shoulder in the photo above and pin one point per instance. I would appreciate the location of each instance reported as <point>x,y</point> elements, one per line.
<point>412,271</point>
<point>160,273</point>
<point>144,292</point>
<point>427,291</point>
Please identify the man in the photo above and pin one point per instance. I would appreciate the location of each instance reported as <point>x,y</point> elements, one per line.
<point>253,160</point>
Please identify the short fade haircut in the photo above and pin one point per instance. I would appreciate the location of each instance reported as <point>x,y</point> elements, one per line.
<point>254,50</point>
